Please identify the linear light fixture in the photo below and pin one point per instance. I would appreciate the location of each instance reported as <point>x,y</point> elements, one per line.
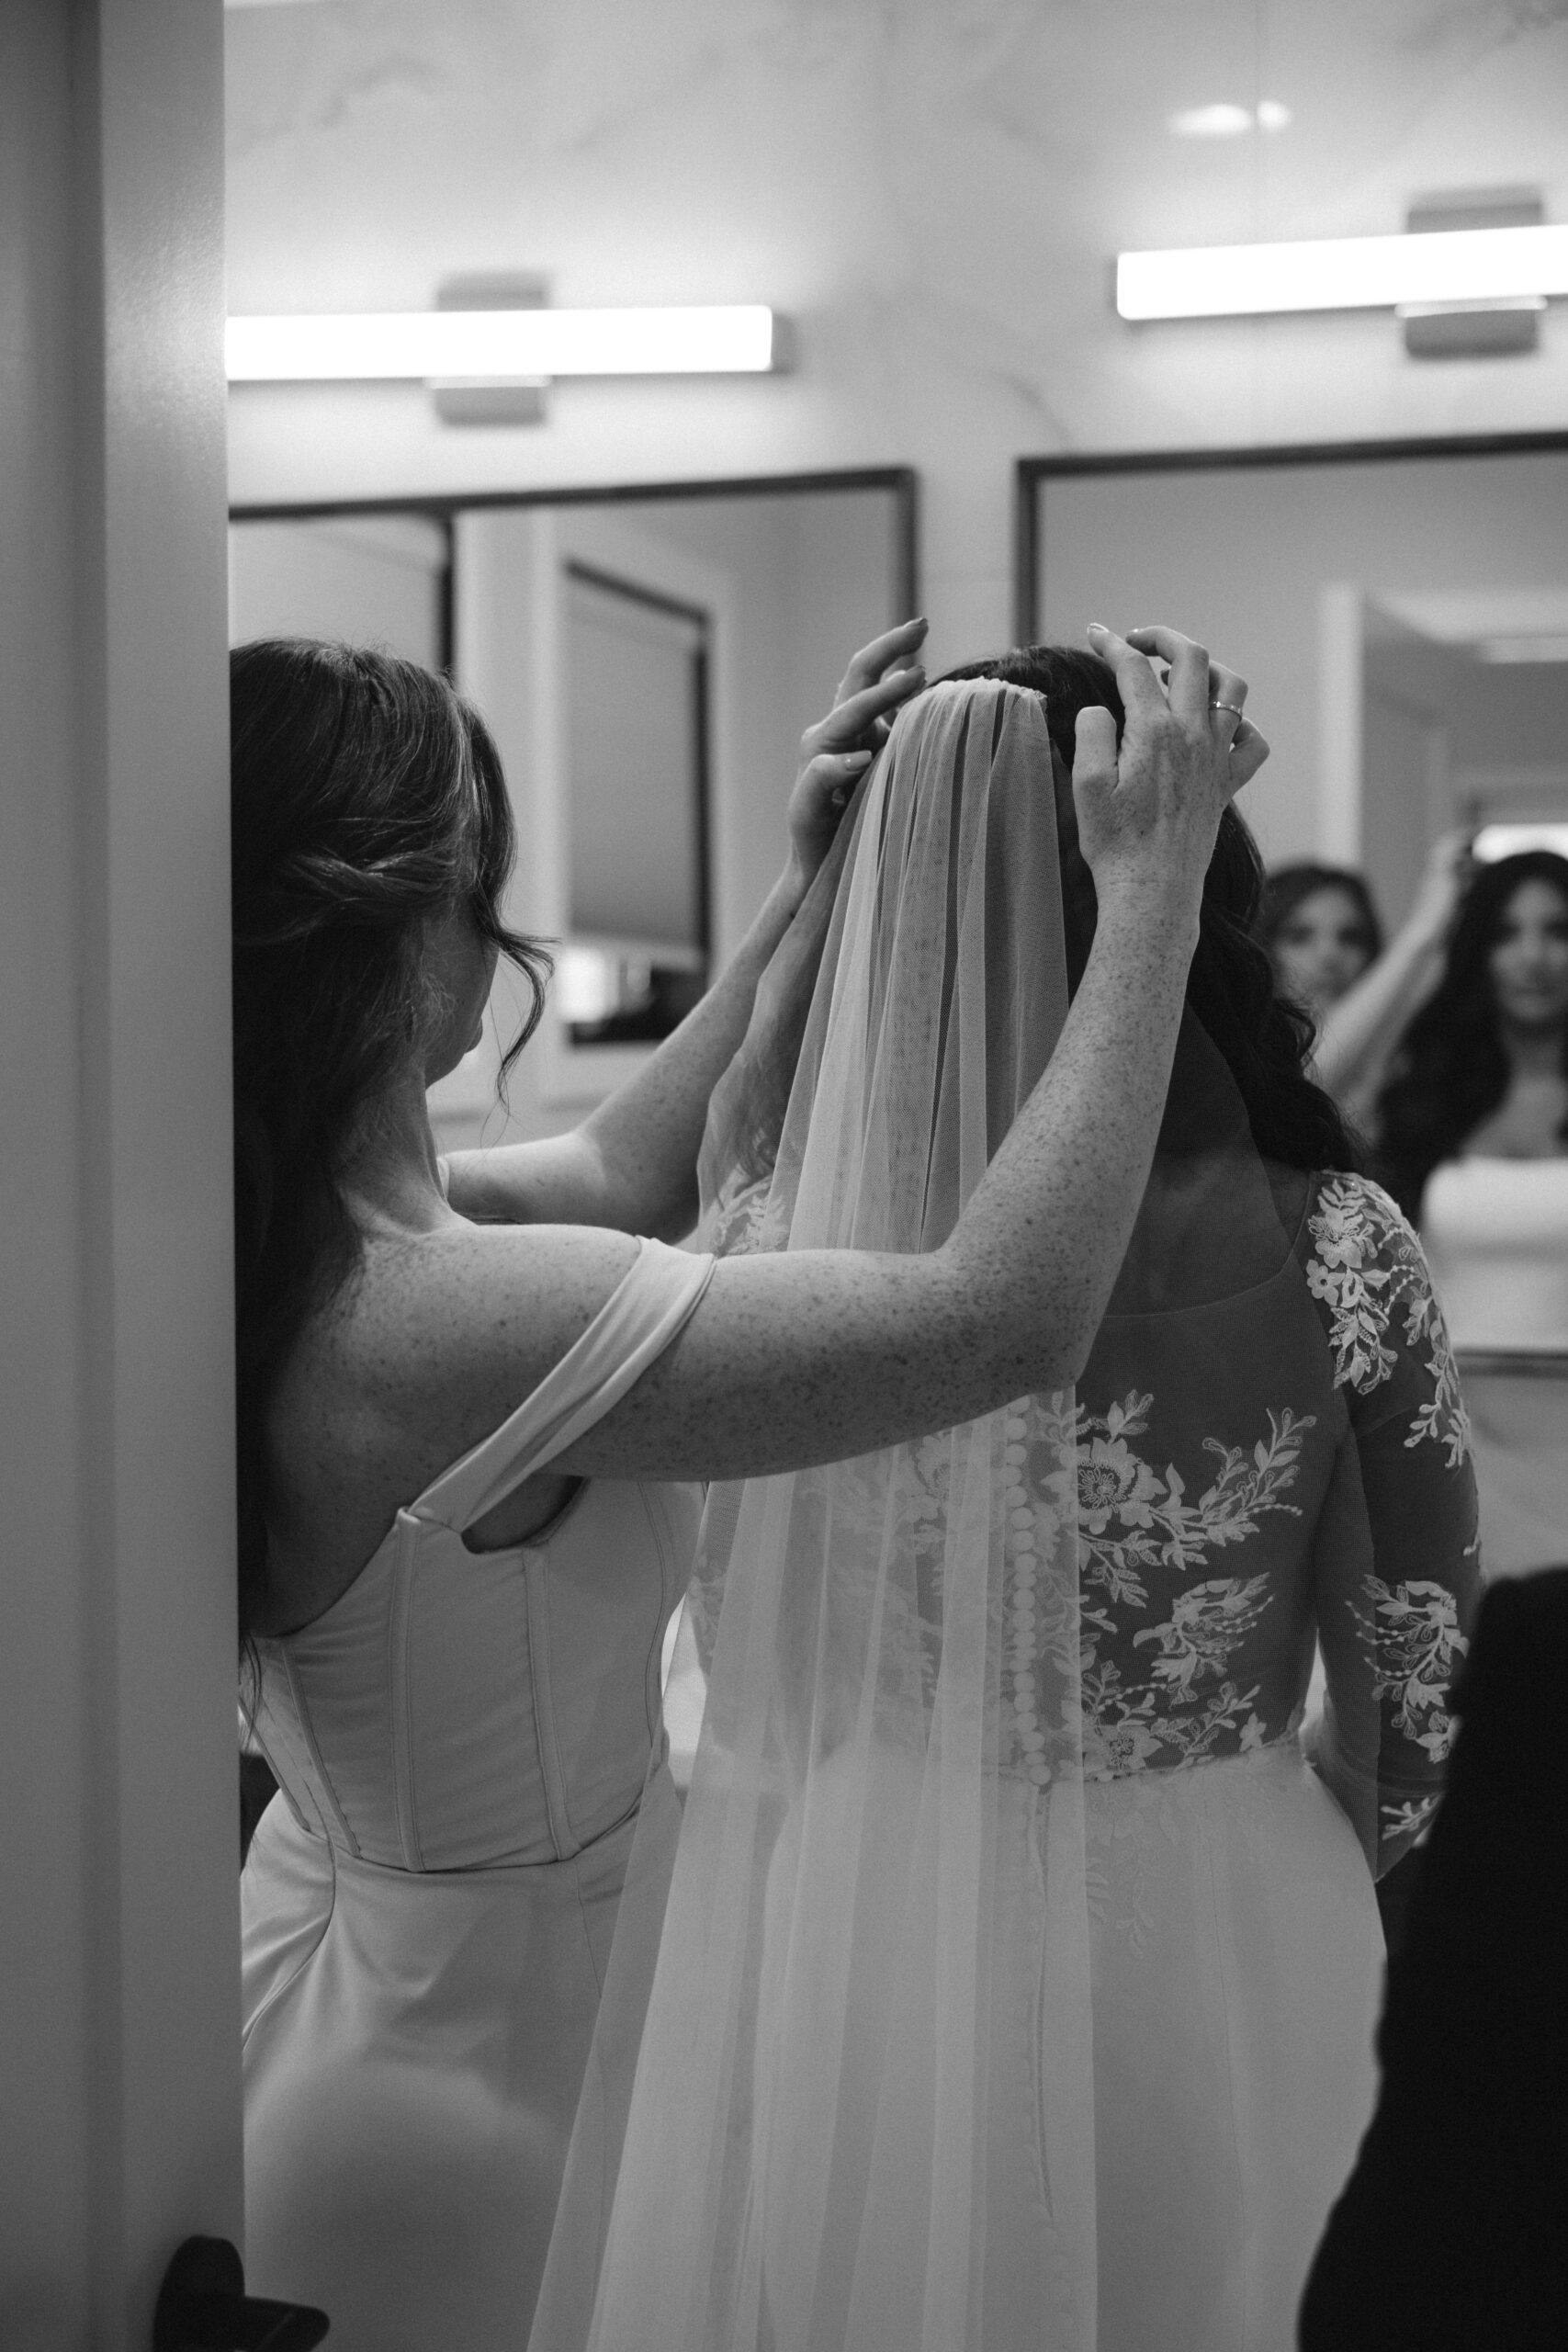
<point>743,338</point>
<point>1344,274</point>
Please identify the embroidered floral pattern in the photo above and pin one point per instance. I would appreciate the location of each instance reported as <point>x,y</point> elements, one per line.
<point>1134,1518</point>
<point>1409,1816</point>
<point>1165,1642</point>
<point>1138,1528</point>
<point>1367,1263</point>
<point>1125,1650</point>
<point>1417,1641</point>
<point>1126,1730</point>
<point>1203,1629</point>
<point>735,1223</point>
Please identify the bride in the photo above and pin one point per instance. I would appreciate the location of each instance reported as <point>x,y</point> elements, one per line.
<point>1019,1972</point>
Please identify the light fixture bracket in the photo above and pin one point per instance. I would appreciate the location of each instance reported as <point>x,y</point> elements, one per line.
<point>496,399</point>
<point>1493,330</point>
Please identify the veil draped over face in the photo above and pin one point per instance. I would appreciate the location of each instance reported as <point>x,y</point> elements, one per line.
<point>864,2111</point>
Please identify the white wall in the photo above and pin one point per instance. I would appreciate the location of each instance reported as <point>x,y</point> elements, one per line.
<point>933,191</point>
<point>372,580</point>
<point>119,2094</point>
<point>813,578</point>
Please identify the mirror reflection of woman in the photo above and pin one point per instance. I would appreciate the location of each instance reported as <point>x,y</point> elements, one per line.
<point>1474,1134</point>
<point>473,1401</point>
<point>1321,928</point>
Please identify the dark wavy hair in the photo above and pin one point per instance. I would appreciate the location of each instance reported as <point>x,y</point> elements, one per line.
<point>1452,1069</point>
<point>1288,887</point>
<point>1263,1037</point>
<point>368,802</point>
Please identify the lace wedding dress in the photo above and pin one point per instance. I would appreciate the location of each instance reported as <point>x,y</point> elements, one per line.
<point>1019,1975</point>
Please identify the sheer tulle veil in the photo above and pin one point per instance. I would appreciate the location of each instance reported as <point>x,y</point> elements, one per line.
<point>864,2103</point>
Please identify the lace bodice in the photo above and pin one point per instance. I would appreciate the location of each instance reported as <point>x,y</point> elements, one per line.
<point>1248,1480</point>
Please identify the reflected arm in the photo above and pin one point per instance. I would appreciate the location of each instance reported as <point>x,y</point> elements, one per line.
<point>1361,1031</point>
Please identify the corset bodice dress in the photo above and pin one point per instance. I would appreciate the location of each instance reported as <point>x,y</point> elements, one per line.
<point>1496,1231</point>
<point>465,1742</point>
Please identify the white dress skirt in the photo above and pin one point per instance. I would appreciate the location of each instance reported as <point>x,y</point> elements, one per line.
<point>1237,1967</point>
<point>1234,1962</point>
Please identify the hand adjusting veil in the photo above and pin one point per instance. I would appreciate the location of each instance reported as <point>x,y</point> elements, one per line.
<point>864,2107</point>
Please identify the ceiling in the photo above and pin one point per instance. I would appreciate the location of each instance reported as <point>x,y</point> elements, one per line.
<point>376,142</point>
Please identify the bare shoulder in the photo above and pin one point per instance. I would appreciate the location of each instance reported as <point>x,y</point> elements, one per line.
<point>436,1339</point>
<point>427,1349</point>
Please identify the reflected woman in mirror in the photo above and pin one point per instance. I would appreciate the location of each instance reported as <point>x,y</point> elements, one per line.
<point>474,1401</point>
<point>1474,1134</point>
<point>1321,929</point>
<point>1019,1971</point>
<point>1324,938</point>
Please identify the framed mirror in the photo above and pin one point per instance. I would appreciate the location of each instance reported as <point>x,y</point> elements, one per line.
<point>646,658</point>
<point>1400,610</point>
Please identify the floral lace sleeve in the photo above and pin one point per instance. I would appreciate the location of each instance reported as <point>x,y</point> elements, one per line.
<point>1397,1562</point>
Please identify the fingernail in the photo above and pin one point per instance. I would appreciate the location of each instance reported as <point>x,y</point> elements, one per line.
<point>1098,629</point>
<point>857,758</point>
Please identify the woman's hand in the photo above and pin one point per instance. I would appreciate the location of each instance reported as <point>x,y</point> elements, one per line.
<point>1147,815</point>
<point>835,752</point>
<point>1443,885</point>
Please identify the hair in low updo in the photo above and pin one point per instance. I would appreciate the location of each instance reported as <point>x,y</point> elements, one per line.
<point>367,803</point>
<point>1264,1038</point>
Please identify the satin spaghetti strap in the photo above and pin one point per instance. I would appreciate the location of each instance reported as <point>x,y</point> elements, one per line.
<point>635,1325</point>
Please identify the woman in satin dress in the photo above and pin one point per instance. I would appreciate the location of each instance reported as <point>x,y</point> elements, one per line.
<point>472,1401</point>
<point>1474,1130</point>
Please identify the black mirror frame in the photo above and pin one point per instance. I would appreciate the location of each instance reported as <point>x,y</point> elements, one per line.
<point>902,481</point>
<point>1029,536</point>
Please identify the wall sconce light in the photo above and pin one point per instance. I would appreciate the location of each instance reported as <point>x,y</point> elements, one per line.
<point>1431,271</point>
